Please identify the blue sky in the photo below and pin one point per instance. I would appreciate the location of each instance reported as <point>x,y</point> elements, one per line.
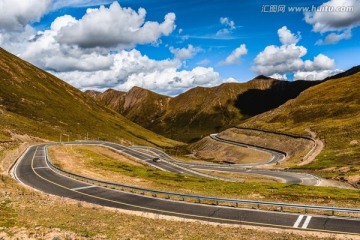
<point>203,33</point>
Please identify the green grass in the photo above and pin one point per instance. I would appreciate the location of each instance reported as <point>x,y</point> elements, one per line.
<point>189,184</point>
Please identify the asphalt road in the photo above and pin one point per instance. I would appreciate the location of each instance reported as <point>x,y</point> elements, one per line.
<point>32,170</point>
<point>283,176</point>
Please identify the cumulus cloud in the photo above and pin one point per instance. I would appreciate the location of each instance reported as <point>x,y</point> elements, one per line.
<point>315,75</point>
<point>287,37</point>
<point>235,55</point>
<point>333,38</point>
<point>16,14</point>
<point>96,64</point>
<point>336,18</point>
<point>279,76</point>
<point>131,68</point>
<point>277,61</point>
<point>185,53</point>
<point>115,27</point>
<point>45,52</point>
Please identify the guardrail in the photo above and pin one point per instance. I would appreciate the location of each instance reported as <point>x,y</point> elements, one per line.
<point>286,207</point>
<point>247,145</point>
<point>293,135</point>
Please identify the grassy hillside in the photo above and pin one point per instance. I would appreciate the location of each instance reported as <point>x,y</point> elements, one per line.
<point>36,103</point>
<point>201,111</point>
<point>332,110</point>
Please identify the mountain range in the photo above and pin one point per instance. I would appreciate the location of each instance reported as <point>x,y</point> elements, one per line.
<point>200,111</point>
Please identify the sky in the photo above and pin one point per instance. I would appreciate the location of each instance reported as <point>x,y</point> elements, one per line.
<point>170,46</point>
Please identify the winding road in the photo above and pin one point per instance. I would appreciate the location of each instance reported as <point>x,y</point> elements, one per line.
<point>32,169</point>
<point>249,168</point>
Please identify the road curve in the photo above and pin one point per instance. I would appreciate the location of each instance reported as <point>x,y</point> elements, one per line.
<point>283,176</point>
<point>32,169</point>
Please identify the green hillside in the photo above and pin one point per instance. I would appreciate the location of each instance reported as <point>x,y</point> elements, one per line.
<point>34,102</point>
<point>332,110</point>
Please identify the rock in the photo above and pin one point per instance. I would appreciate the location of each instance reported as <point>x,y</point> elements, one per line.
<point>354,143</point>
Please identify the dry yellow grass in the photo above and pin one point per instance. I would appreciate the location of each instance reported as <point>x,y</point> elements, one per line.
<point>28,214</point>
<point>214,151</point>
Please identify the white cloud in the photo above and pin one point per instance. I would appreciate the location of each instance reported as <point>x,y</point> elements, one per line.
<point>100,68</point>
<point>279,76</point>
<point>333,16</point>
<point>185,53</point>
<point>115,27</point>
<point>16,14</point>
<point>227,22</point>
<point>203,62</point>
<point>131,68</point>
<point>287,37</point>
<point>58,4</point>
<point>283,59</point>
<point>324,21</point>
<point>235,55</point>
<point>277,61</point>
<point>333,38</point>
<point>229,26</point>
<point>315,75</point>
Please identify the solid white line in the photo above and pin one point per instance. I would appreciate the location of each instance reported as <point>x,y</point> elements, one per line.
<point>85,187</point>
<point>307,221</point>
<point>296,224</point>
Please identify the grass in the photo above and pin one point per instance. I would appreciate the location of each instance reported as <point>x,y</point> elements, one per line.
<point>218,152</point>
<point>332,110</point>
<point>36,103</point>
<point>25,214</point>
<point>296,149</point>
<point>109,168</point>
<point>201,111</point>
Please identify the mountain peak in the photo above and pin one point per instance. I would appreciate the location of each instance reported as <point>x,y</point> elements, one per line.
<point>262,77</point>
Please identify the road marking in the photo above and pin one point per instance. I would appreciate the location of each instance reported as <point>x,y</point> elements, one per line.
<point>307,221</point>
<point>298,221</point>
<point>39,167</point>
<point>84,187</point>
<point>163,211</point>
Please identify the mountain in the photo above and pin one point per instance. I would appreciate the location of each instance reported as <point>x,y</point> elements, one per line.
<point>349,72</point>
<point>201,111</point>
<point>332,110</point>
<point>35,103</point>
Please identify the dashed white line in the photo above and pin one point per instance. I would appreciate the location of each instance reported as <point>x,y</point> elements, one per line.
<point>296,224</point>
<point>85,187</point>
<point>307,221</point>
<point>39,167</point>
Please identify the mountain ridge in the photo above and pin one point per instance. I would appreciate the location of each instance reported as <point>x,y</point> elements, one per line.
<point>35,103</point>
<point>203,110</point>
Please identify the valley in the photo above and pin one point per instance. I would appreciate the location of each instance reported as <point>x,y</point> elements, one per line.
<point>220,168</point>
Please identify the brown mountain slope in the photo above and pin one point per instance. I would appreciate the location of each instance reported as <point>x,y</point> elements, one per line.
<point>35,103</point>
<point>332,110</point>
<point>201,111</point>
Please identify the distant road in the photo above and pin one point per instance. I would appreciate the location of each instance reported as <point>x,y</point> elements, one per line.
<point>249,168</point>
<point>33,170</point>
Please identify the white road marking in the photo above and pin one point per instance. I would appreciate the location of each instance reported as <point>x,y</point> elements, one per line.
<point>296,224</point>
<point>39,167</point>
<point>85,187</point>
<point>307,221</point>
